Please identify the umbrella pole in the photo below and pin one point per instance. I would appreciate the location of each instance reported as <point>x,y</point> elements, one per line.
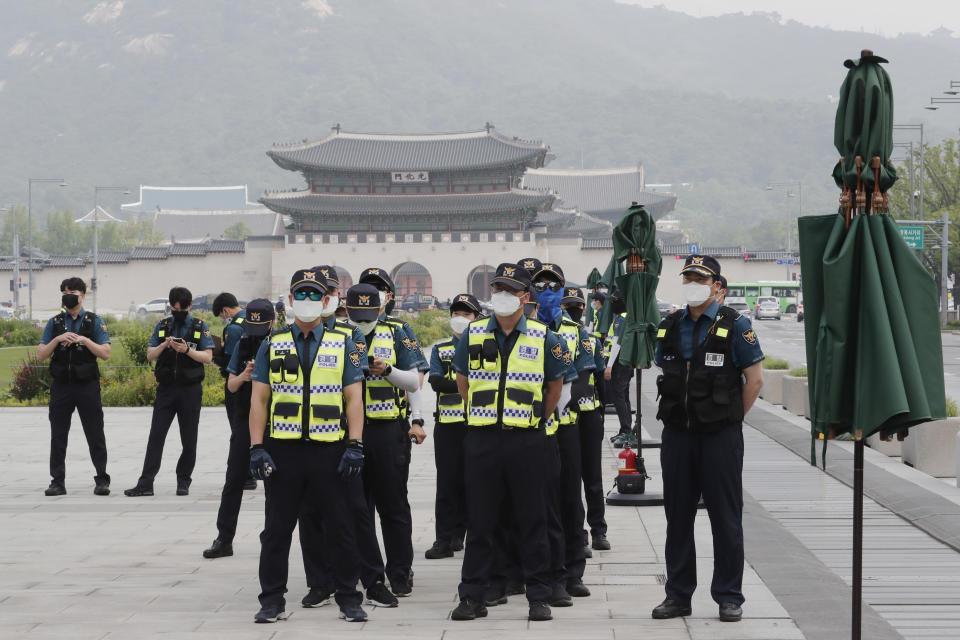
<point>636,426</point>
<point>857,536</point>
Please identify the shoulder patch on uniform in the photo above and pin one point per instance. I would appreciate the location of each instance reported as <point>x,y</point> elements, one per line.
<point>207,332</point>
<point>409,344</point>
<point>354,358</point>
<point>103,326</point>
<point>361,347</point>
<point>557,351</point>
<point>567,359</point>
<point>750,336</point>
<point>587,345</point>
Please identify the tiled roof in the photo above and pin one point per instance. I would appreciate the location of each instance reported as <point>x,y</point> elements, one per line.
<point>68,261</point>
<point>574,223</point>
<point>606,193</point>
<point>113,256</point>
<point>149,253</point>
<point>200,226</point>
<point>225,246</point>
<point>395,152</point>
<point>188,249</point>
<point>304,202</point>
<point>191,199</point>
<point>597,243</point>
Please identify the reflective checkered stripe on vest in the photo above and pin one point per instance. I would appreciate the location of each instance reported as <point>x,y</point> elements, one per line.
<point>323,396</point>
<point>513,389</point>
<point>608,340</point>
<point>380,398</point>
<point>569,332</point>
<point>449,405</point>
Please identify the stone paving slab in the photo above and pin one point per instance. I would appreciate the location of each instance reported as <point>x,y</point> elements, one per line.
<point>83,566</point>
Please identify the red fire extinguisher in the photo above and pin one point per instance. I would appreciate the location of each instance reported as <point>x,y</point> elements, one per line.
<point>627,461</point>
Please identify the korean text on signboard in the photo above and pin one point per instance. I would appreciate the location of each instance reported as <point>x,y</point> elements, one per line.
<point>410,176</point>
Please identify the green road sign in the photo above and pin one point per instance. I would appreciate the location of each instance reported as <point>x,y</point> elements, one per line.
<point>912,235</point>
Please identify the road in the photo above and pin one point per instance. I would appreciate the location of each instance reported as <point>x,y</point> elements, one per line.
<point>785,339</point>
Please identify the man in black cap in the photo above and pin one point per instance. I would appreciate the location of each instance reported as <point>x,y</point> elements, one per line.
<point>711,363</point>
<point>449,430</point>
<point>387,443</point>
<point>617,375</point>
<point>258,322</point>
<point>531,265</point>
<point>510,373</point>
<point>306,425</point>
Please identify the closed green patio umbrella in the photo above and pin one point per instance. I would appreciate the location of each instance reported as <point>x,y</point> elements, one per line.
<point>872,366</point>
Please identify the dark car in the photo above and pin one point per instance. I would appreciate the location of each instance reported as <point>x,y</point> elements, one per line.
<point>413,302</point>
<point>665,308</point>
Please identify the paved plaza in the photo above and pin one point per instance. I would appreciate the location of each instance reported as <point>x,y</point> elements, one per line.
<point>82,566</point>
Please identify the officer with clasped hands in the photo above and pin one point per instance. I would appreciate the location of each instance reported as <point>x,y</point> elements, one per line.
<point>305,378</point>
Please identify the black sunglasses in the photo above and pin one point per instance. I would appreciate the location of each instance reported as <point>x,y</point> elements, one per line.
<point>547,284</point>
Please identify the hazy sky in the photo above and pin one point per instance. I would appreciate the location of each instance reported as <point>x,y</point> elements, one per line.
<point>884,16</point>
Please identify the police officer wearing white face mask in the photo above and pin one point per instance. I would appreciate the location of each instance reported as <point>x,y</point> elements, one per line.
<point>449,430</point>
<point>712,375</point>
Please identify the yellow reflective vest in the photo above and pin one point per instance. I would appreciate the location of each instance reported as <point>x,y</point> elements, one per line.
<point>304,408</point>
<point>507,393</point>
<point>381,400</point>
<point>449,405</point>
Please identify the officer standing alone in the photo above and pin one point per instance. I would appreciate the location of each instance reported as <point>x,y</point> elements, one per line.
<point>712,375</point>
<point>181,345</point>
<point>74,340</point>
<point>307,384</point>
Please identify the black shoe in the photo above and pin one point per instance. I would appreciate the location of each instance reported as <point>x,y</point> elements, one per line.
<point>495,596</point>
<point>183,488</point>
<point>101,486</point>
<point>320,597</point>
<point>600,542</point>
<point>379,596</point>
<point>671,609</point>
<point>587,552</point>
<point>515,588</point>
<point>353,613</point>
<point>250,485</point>
<point>469,610</point>
<point>539,611</point>
<point>401,588</point>
<point>730,612</point>
<point>440,549</point>
<point>55,489</point>
<point>138,491</point>
<point>577,589</point>
<point>218,549</point>
<point>559,598</point>
<point>456,544</point>
<point>270,613</point>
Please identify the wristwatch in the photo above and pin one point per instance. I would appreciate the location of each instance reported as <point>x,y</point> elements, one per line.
<point>387,371</point>
<point>418,421</point>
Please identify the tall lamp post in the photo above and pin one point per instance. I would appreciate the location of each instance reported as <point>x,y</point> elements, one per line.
<point>30,182</point>
<point>799,195</point>
<point>15,246</point>
<point>95,283</point>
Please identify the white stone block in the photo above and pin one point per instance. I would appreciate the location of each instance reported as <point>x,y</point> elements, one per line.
<point>892,448</point>
<point>795,398</point>
<point>772,390</point>
<point>932,447</point>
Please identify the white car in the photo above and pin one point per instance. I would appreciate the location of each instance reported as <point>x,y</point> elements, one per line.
<point>6,312</point>
<point>157,305</point>
<point>768,309</point>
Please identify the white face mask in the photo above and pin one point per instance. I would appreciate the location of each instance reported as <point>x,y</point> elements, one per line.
<point>367,327</point>
<point>330,307</point>
<point>307,310</point>
<point>459,324</point>
<point>696,293</point>
<point>504,303</point>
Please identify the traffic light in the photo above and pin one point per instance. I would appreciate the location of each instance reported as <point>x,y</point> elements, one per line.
<point>93,284</point>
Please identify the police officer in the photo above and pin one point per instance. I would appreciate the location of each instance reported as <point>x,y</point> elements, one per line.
<point>306,378</point>
<point>712,375</point>
<point>73,340</point>
<point>387,440</point>
<point>588,408</point>
<point>181,345</point>
<point>449,431</point>
<point>257,323</point>
<point>227,308</point>
<point>510,374</point>
<point>618,376</point>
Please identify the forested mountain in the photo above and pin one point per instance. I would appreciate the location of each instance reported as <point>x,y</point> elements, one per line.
<point>191,92</point>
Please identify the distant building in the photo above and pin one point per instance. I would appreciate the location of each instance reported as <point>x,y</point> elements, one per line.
<point>194,214</point>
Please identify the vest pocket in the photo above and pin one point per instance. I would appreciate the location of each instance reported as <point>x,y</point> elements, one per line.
<point>537,409</point>
<point>449,399</point>
<point>325,412</point>
<point>520,396</point>
<point>721,390</point>
<point>483,398</point>
<point>286,409</point>
<point>380,393</point>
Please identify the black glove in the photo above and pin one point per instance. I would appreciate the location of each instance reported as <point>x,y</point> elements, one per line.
<point>261,464</point>
<point>351,464</point>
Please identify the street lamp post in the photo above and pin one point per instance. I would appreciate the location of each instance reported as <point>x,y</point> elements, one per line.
<point>30,182</point>
<point>15,246</point>
<point>788,185</point>
<point>95,283</point>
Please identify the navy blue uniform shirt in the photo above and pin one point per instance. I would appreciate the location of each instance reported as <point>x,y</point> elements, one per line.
<point>72,325</point>
<point>746,347</point>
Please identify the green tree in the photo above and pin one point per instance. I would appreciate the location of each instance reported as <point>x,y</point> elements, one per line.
<point>17,219</point>
<point>237,231</point>
<point>65,237</point>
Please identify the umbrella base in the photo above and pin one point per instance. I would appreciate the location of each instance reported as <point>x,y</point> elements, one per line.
<point>615,499</point>
<point>652,443</point>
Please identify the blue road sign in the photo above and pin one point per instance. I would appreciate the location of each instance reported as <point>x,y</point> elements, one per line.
<point>694,248</point>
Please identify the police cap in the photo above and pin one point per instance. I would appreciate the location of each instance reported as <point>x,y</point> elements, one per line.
<point>363,303</point>
<point>572,295</point>
<point>377,277</point>
<point>704,265</point>
<point>308,279</point>
<point>330,275</point>
<point>466,302</point>
<point>532,265</point>
<point>550,271</point>
<point>260,317</point>
<point>512,276</point>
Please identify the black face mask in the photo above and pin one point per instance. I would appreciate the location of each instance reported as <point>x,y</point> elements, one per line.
<point>388,308</point>
<point>576,313</point>
<point>179,316</point>
<point>70,300</point>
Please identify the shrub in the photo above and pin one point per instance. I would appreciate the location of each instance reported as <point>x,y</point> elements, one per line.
<point>212,389</point>
<point>137,390</point>
<point>952,410</point>
<point>31,380</point>
<point>430,326</point>
<point>15,333</point>
<point>775,364</point>
<point>135,338</point>
<point>798,372</point>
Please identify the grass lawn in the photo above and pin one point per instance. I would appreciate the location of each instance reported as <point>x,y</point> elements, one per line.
<point>10,357</point>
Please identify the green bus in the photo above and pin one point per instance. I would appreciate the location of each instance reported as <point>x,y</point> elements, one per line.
<point>787,293</point>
